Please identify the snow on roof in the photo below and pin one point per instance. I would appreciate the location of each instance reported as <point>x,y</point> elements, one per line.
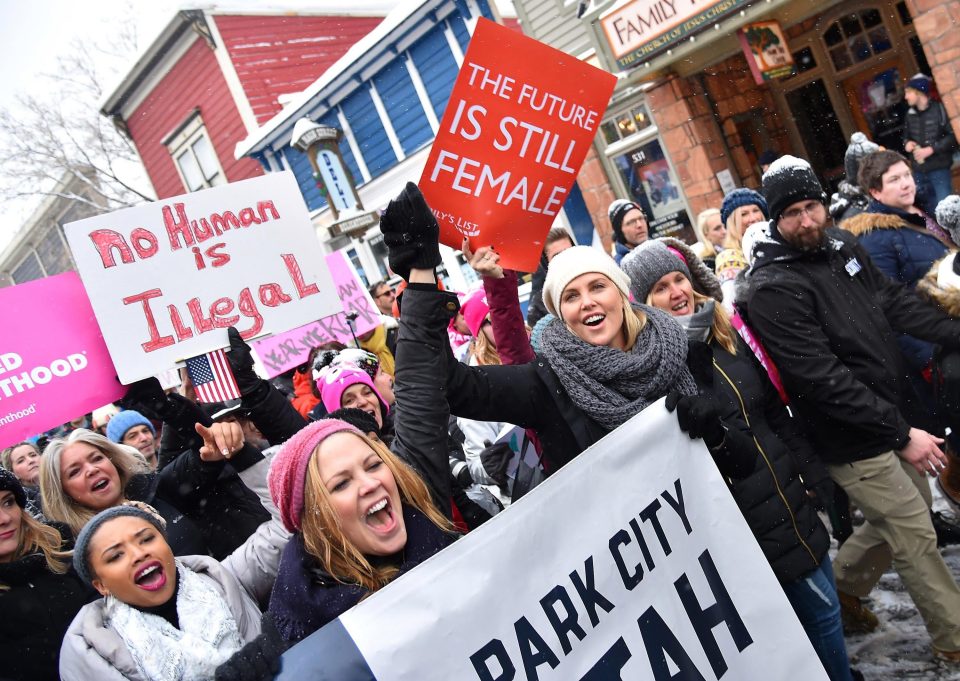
<point>362,47</point>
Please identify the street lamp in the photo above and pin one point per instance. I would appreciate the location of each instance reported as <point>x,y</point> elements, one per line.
<point>321,144</point>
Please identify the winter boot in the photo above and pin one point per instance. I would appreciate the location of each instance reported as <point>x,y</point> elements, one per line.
<point>947,531</point>
<point>857,618</point>
<point>949,656</point>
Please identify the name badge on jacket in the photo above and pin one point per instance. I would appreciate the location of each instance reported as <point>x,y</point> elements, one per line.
<point>852,266</point>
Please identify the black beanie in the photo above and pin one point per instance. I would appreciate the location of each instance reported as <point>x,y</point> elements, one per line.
<point>9,483</point>
<point>616,212</point>
<point>787,181</point>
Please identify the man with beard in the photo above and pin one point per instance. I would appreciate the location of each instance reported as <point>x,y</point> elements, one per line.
<point>827,317</point>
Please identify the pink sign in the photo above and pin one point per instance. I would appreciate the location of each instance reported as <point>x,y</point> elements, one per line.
<point>54,365</point>
<point>285,351</point>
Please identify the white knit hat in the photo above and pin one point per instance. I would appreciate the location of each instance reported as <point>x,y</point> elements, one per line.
<point>570,264</point>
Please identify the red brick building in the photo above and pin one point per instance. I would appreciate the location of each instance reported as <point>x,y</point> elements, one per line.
<point>688,118</point>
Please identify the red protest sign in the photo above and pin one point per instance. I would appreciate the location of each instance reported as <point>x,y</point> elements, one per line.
<point>518,125</point>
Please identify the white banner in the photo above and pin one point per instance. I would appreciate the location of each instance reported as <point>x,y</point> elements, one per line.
<point>633,562</point>
<point>166,279</point>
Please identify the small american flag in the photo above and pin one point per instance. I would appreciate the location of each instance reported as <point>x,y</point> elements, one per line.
<point>212,379</point>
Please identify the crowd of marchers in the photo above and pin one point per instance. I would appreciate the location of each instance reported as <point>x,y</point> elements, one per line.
<point>813,344</point>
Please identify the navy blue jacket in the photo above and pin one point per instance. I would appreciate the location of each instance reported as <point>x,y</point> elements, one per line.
<point>901,247</point>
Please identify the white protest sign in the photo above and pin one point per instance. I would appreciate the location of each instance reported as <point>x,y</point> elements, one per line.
<point>632,562</point>
<point>166,279</point>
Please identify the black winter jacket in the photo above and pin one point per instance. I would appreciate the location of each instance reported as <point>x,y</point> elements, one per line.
<point>528,395</point>
<point>771,496</point>
<point>827,318</point>
<point>931,128</point>
<point>38,607</point>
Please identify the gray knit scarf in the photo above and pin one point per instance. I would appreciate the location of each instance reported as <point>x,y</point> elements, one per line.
<point>611,385</point>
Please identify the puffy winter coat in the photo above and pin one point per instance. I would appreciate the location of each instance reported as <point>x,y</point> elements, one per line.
<point>827,318</point>
<point>772,496</point>
<point>37,607</point>
<point>93,650</point>
<point>529,395</point>
<point>931,128</point>
<point>902,247</point>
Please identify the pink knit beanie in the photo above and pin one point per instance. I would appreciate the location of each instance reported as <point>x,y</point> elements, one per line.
<point>288,471</point>
<point>475,309</point>
<point>336,379</point>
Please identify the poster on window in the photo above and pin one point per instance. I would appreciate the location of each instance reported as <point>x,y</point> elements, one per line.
<point>766,50</point>
<point>654,186</point>
<point>167,278</point>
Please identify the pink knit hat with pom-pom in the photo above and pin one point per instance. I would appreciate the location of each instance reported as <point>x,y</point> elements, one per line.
<point>334,381</point>
<point>288,470</point>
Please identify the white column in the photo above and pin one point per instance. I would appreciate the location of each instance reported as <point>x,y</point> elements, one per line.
<point>387,123</point>
<point>352,143</point>
<point>422,94</point>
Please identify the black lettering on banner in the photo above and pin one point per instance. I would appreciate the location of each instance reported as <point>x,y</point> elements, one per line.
<point>562,626</point>
<point>704,620</point>
<point>534,651</point>
<point>589,596</point>
<point>494,649</point>
<point>660,642</point>
<point>677,505</point>
<point>630,580</point>
<point>642,542</point>
<point>649,514</point>
<point>610,667</point>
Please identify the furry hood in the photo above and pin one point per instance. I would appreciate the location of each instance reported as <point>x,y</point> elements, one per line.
<point>864,223</point>
<point>941,285</point>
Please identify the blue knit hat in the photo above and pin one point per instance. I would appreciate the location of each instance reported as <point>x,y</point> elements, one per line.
<point>921,83</point>
<point>742,197</point>
<point>81,550</point>
<point>118,426</point>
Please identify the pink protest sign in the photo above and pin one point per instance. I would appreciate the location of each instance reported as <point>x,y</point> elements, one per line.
<point>287,350</point>
<point>54,365</point>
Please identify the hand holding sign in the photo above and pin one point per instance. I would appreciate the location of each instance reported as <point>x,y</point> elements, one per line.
<point>516,129</point>
<point>485,262</point>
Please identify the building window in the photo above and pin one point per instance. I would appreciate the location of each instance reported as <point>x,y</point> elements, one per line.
<point>626,123</point>
<point>29,269</point>
<point>856,38</point>
<point>194,155</point>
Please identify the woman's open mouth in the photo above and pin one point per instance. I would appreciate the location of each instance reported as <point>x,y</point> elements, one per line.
<point>381,518</point>
<point>151,576</point>
<point>100,485</point>
<point>594,320</point>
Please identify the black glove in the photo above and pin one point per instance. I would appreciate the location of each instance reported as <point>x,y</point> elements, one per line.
<point>700,362</point>
<point>460,472</point>
<point>698,416</point>
<point>410,232</point>
<point>147,397</point>
<point>258,660</point>
<point>241,363</point>
<point>495,459</point>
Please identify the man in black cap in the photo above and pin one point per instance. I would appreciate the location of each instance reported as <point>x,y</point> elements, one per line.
<point>827,316</point>
<point>630,227</point>
<point>928,138</point>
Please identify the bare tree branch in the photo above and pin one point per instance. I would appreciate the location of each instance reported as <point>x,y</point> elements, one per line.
<point>46,138</point>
